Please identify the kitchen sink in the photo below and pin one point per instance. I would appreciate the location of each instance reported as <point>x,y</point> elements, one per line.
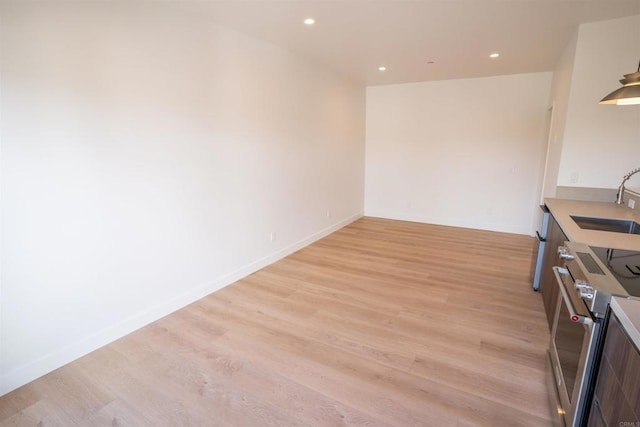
<point>615,225</point>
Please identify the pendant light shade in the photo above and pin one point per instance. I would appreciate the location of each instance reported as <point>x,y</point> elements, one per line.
<point>628,94</point>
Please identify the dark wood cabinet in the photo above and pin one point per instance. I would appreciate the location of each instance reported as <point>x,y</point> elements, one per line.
<point>548,286</point>
<point>616,400</point>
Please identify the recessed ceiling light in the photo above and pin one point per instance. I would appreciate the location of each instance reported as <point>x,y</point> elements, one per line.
<point>309,21</point>
<point>382,68</point>
<point>494,55</point>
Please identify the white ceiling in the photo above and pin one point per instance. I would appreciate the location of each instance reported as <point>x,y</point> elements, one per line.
<point>355,37</point>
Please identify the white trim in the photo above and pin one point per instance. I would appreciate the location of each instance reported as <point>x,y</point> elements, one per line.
<point>487,226</point>
<point>548,145</point>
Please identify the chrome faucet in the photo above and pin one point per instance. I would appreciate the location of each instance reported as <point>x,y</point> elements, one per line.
<point>619,200</point>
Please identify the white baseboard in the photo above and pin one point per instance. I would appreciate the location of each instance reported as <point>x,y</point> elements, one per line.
<point>498,227</point>
<point>55,360</point>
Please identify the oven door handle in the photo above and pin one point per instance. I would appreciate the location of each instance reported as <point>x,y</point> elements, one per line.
<point>575,317</point>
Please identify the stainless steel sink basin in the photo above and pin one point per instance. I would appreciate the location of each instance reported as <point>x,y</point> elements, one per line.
<point>614,225</point>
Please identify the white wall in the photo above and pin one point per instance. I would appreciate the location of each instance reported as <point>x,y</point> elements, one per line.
<point>146,158</point>
<point>560,89</point>
<point>459,152</point>
<point>601,142</point>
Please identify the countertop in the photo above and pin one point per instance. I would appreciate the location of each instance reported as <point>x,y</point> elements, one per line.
<point>562,209</point>
<point>628,311</point>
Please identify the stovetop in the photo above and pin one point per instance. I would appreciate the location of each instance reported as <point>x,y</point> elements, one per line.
<point>624,266</point>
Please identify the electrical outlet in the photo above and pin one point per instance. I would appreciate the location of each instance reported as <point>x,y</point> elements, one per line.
<point>574,177</point>
<point>328,214</point>
<point>631,203</point>
<point>272,236</point>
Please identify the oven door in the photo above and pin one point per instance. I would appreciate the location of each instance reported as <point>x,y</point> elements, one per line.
<point>574,340</point>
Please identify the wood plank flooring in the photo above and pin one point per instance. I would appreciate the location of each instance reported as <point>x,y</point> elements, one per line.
<point>383,323</point>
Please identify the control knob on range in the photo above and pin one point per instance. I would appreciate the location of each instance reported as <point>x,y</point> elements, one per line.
<point>581,284</point>
<point>586,294</point>
<point>564,253</point>
<point>584,289</point>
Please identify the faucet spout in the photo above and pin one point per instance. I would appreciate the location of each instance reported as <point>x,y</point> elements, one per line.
<point>619,197</point>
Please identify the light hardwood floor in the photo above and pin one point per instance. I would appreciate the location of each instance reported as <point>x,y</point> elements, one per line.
<point>383,323</point>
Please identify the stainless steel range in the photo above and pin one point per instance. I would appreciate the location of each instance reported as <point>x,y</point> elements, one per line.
<point>587,280</point>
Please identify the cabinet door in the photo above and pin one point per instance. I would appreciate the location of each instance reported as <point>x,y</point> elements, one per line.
<point>616,400</point>
<point>548,286</point>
